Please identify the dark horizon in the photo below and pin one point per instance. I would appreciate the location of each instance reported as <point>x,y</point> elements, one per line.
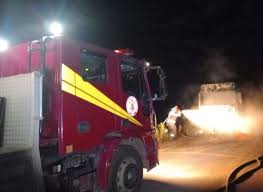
<point>195,42</point>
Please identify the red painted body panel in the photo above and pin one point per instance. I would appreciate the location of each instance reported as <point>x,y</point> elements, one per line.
<point>11,62</point>
<point>63,112</point>
<point>76,110</point>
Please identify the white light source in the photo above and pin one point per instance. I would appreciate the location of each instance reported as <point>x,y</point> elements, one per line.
<point>3,45</point>
<point>147,64</point>
<point>56,28</point>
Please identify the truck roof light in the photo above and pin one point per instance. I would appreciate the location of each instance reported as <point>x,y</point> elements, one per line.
<point>3,45</point>
<point>56,28</point>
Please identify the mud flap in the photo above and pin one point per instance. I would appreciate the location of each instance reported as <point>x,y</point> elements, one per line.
<point>104,162</point>
<point>151,145</point>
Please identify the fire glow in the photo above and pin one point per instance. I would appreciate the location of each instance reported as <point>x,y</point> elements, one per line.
<point>170,171</point>
<point>217,119</point>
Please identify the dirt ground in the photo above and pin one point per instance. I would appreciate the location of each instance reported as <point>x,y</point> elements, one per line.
<point>203,164</point>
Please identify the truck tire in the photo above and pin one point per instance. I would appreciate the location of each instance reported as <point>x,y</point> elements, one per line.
<point>126,171</point>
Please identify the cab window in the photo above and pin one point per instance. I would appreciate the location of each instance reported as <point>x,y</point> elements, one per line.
<point>93,66</point>
<point>131,78</point>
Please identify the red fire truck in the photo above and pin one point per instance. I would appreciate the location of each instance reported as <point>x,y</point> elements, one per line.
<point>75,117</point>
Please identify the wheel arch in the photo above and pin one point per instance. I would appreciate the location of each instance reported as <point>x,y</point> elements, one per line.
<point>138,145</point>
<point>111,146</point>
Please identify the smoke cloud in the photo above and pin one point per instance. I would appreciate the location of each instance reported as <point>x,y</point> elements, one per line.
<point>188,95</point>
<point>253,107</point>
<point>217,67</point>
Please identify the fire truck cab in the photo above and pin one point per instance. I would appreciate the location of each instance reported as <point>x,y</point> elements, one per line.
<point>90,114</point>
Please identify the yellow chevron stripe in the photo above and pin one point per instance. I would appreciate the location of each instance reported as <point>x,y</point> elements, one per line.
<point>68,88</point>
<point>74,84</point>
<point>68,75</point>
<point>94,101</point>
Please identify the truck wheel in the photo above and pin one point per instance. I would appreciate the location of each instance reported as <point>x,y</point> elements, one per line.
<point>126,171</point>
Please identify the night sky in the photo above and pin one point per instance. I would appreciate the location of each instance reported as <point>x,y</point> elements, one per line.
<point>194,41</point>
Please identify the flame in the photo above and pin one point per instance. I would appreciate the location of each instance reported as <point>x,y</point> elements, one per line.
<point>217,119</point>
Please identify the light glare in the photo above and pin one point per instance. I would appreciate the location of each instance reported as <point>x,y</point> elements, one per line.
<point>168,170</point>
<point>3,45</point>
<point>217,119</point>
<point>147,63</point>
<point>56,28</point>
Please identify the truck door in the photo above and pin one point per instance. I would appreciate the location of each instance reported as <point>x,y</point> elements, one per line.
<point>86,113</point>
<point>133,95</point>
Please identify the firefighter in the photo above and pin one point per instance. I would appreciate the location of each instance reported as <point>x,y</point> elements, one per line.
<point>174,121</point>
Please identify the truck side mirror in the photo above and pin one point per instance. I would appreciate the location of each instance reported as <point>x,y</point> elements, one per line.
<point>159,87</point>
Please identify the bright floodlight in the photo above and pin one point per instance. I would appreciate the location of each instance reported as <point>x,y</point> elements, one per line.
<point>56,28</point>
<point>3,45</point>
<point>147,64</point>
